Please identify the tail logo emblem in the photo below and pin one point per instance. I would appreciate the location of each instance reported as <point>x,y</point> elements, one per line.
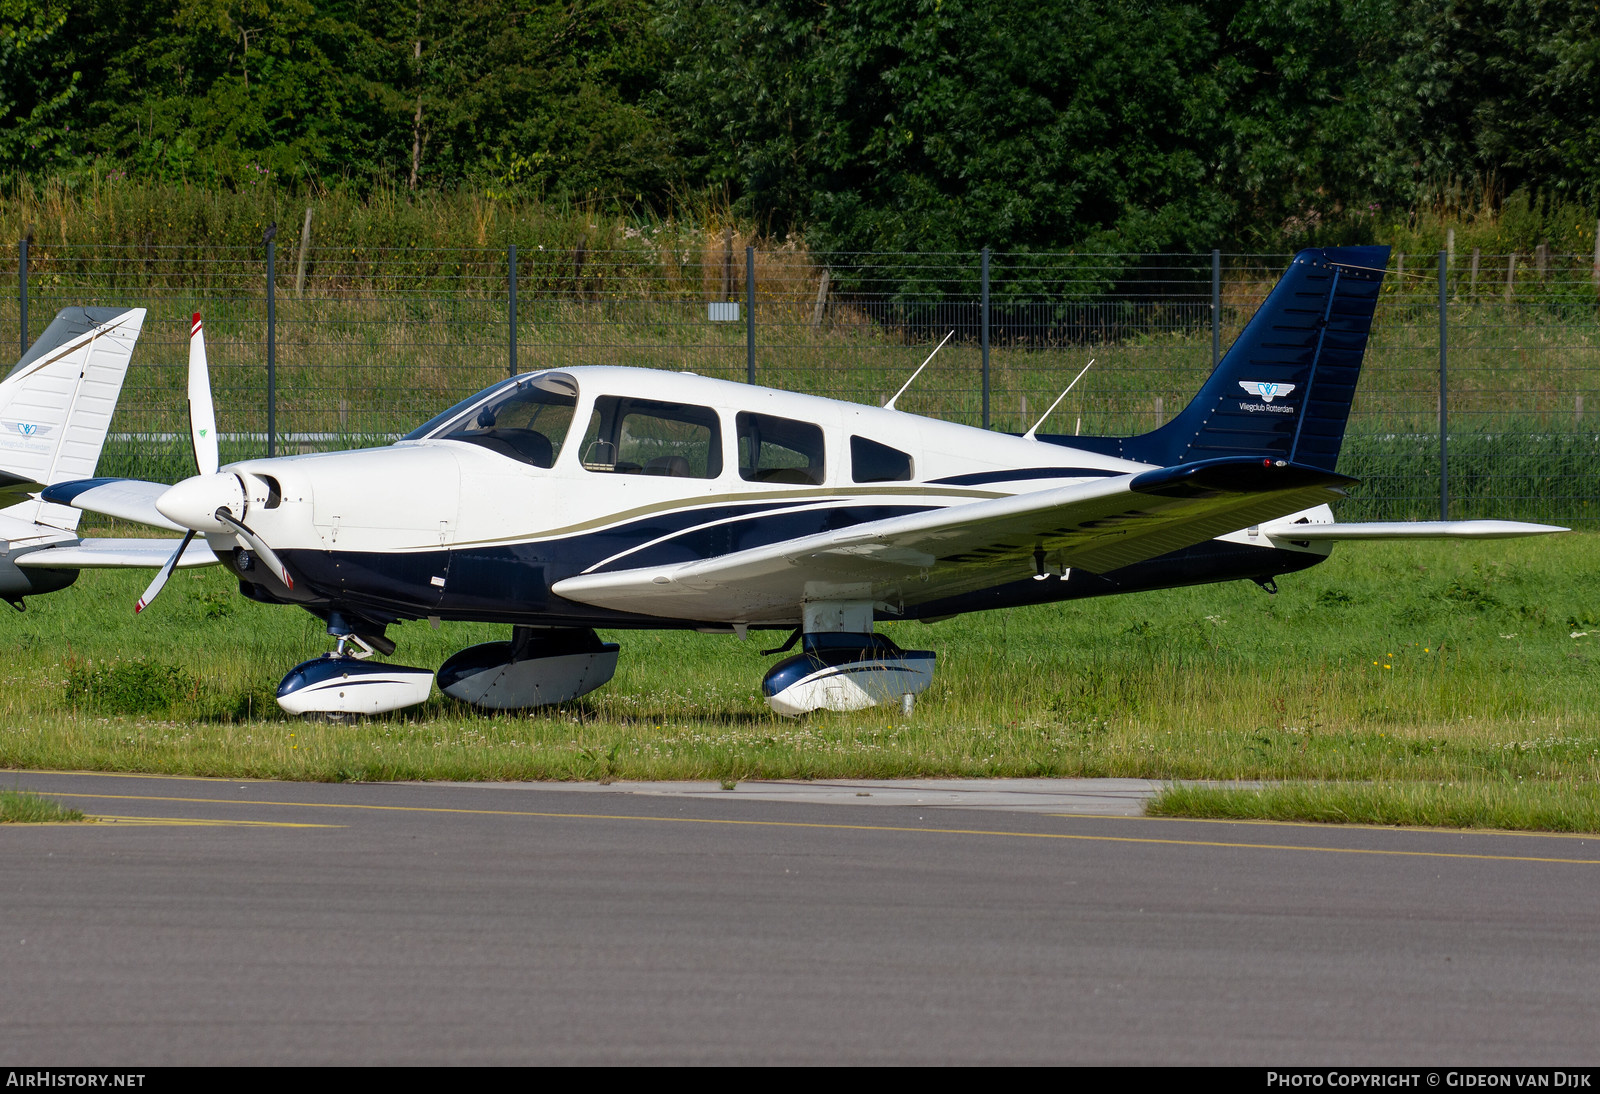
<point>1268,392</point>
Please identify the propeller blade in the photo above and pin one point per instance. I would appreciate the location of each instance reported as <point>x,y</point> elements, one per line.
<point>263,552</point>
<point>202,412</point>
<point>162,575</point>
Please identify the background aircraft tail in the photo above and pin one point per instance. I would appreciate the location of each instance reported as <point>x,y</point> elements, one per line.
<point>56,405</point>
<point>1283,390</point>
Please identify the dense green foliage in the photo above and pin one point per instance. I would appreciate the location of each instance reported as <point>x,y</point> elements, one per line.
<point>884,124</point>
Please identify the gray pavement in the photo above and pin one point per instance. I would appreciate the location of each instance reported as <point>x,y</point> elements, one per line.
<point>223,921</point>
<point>1094,797</point>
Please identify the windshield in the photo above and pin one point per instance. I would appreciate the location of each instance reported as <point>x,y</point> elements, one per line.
<point>526,419</point>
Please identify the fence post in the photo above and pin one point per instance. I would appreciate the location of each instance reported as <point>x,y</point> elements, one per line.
<point>1444,414</point>
<point>511,277</point>
<point>300,266</point>
<point>1216,307</point>
<point>22,293</point>
<point>750,314</point>
<point>984,337</point>
<point>272,348</point>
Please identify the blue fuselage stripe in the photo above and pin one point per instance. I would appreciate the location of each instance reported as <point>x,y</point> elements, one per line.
<point>980,478</point>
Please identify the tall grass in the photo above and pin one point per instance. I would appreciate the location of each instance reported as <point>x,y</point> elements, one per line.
<point>1508,803</point>
<point>22,807</point>
<point>1442,662</point>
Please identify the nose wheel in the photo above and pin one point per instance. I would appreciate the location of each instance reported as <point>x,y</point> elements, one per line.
<point>344,683</point>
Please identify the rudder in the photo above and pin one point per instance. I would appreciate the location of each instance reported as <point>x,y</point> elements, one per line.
<point>1284,388</point>
<point>56,403</point>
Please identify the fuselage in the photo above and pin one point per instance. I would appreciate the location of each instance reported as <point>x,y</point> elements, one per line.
<point>593,469</point>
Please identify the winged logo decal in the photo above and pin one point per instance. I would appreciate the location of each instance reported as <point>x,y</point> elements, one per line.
<point>1267,391</point>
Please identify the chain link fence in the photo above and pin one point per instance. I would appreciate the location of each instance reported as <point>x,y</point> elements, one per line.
<point>1476,399</point>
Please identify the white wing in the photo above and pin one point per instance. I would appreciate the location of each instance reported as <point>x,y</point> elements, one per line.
<point>125,499</point>
<point>95,554</point>
<point>1096,526</point>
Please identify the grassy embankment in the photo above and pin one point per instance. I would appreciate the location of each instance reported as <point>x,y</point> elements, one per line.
<point>1455,672</point>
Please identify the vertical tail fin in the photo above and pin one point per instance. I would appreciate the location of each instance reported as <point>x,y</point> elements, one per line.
<point>56,403</point>
<point>1283,390</point>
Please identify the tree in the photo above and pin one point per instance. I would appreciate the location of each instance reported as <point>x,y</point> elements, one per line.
<point>38,86</point>
<point>952,124</point>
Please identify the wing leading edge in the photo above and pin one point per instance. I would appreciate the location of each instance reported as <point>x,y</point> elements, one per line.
<point>1096,526</point>
<point>124,499</point>
<point>106,554</point>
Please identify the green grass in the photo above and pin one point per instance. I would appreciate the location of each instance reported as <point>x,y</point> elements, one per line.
<point>1509,804</point>
<point>22,807</point>
<point>1394,664</point>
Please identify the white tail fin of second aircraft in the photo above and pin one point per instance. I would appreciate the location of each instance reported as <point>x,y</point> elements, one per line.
<point>56,405</point>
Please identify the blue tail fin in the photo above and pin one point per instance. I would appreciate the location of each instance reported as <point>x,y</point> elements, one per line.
<point>1283,389</point>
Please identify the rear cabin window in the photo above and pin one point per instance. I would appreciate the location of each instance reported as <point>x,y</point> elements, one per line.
<point>639,437</point>
<point>780,450</point>
<point>874,462</point>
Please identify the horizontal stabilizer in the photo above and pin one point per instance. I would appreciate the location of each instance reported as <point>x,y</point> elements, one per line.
<point>1403,529</point>
<point>118,554</point>
<point>15,488</point>
<point>125,499</point>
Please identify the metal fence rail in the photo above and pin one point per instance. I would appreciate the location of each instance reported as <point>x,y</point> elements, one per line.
<point>1476,400</point>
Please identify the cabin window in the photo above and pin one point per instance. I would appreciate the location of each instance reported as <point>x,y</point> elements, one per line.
<point>874,462</point>
<point>527,420</point>
<point>639,437</point>
<point>779,450</point>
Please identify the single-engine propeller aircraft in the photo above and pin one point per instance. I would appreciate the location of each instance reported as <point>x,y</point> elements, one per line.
<point>55,408</point>
<point>570,499</point>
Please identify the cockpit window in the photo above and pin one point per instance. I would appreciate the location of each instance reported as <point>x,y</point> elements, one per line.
<point>640,437</point>
<point>780,450</point>
<point>527,420</point>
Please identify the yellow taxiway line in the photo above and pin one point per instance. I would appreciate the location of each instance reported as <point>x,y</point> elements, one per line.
<point>820,826</point>
<point>200,822</point>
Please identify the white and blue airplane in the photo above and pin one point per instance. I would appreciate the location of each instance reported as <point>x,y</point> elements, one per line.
<point>56,405</point>
<point>570,499</point>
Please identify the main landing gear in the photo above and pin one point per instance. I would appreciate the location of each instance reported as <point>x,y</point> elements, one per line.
<point>540,666</point>
<point>843,671</point>
<point>844,666</point>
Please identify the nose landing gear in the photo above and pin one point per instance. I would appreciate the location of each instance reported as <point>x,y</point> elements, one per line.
<point>343,683</point>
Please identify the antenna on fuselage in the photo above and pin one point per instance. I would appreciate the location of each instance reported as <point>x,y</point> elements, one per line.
<point>1029,435</point>
<point>890,404</point>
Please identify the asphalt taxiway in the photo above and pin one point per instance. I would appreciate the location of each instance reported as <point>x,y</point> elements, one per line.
<point>219,921</point>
